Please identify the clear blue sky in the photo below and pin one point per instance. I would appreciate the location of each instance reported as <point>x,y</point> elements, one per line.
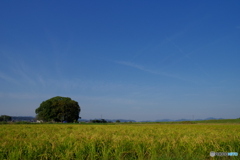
<point>141,60</point>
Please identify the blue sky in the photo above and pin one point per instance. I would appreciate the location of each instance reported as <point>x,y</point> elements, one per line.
<point>141,60</point>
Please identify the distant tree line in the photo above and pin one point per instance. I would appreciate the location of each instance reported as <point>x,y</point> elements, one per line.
<point>5,118</point>
<point>98,121</point>
<point>103,121</point>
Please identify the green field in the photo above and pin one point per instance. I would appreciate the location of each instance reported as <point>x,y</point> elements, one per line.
<point>118,141</point>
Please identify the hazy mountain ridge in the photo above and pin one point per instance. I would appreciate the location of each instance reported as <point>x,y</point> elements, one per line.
<point>29,118</point>
<point>170,120</point>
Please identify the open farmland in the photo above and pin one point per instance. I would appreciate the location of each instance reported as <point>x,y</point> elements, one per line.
<point>120,141</point>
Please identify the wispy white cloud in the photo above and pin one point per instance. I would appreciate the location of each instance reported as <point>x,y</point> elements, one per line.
<point>130,64</point>
<point>187,56</point>
<point>24,72</point>
<point>16,70</point>
<point>41,80</point>
<point>142,68</point>
<point>8,78</point>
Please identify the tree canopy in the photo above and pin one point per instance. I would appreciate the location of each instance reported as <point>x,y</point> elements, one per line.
<point>58,109</point>
<point>5,118</point>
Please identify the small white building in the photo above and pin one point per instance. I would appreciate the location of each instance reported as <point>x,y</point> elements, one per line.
<point>39,121</point>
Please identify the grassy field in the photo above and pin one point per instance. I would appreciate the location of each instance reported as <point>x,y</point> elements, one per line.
<point>120,141</point>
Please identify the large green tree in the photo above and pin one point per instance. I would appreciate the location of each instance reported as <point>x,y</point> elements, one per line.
<point>58,109</point>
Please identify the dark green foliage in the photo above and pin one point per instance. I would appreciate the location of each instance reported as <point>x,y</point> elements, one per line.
<point>99,121</point>
<point>5,118</point>
<point>58,109</point>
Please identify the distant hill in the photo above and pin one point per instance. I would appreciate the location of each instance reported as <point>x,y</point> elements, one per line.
<point>179,120</point>
<point>159,120</point>
<point>23,118</point>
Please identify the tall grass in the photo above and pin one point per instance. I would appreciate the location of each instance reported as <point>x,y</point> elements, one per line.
<point>107,142</point>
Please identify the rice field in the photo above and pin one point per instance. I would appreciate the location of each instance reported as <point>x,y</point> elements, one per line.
<point>120,141</point>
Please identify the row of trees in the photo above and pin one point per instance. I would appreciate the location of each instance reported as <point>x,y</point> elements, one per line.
<point>103,121</point>
<point>5,118</point>
<point>98,121</point>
